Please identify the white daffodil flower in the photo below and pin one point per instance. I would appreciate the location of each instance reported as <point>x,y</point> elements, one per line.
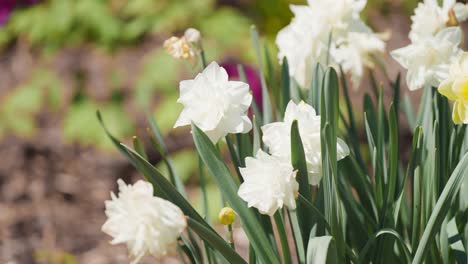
<point>455,88</point>
<point>429,18</point>
<point>277,137</point>
<point>148,225</point>
<point>215,104</point>
<point>355,52</point>
<point>428,60</point>
<point>269,183</point>
<point>305,41</point>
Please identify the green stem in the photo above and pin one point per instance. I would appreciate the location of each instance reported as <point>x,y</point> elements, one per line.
<point>283,237</point>
<point>231,237</point>
<point>202,57</point>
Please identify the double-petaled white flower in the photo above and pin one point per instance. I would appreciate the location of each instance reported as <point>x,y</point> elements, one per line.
<point>305,41</point>
<point>428,60</point>
<point>148,225</point>
<point>277,137</point>
<point>429,18</point>
<point>269,183</point>
<point>354,53</point>
<point>215,104</point>
<point>435,37</point>
<point>455,88</point>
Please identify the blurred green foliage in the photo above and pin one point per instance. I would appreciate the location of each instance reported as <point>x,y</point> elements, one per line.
<point>107,23</point>
<point>54,257</point>
<point>111,27</point>
<point>18,108</point>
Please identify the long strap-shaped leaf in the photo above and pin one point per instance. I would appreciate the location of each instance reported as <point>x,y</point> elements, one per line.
<point>215,241</point>
<point>224,180</point>
<point>441,208</point>
<point>373,240</point>
<point>322,250</point>
<point>298,161</point>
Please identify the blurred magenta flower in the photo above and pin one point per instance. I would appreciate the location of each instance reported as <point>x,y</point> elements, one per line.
<point>7,6</point>
<point>252,78</point>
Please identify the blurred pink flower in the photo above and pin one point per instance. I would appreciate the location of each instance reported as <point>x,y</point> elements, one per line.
<point>7,6</point>
<point>253,79</point>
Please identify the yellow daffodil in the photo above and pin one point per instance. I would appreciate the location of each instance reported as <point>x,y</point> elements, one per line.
<point>455,88</point>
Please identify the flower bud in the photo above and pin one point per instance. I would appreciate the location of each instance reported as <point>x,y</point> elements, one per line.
<point>226,216</point>
<point>192,35</point>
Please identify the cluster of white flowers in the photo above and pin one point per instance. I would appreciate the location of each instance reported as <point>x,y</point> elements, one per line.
<point>328,32</point>
<point>435,39</point>
<point>148,225</point>
<point>269,181</point>
<point>434,58</point>
<point>219,107</point>
<point>277,137</point>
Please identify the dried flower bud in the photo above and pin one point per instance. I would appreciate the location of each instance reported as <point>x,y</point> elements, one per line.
<point>226,216</point>
<point>179,48</point>
<point>192,35</point>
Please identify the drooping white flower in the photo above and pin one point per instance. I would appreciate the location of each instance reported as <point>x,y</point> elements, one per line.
<point>215,104</point>
<point>148,225</point>
<point>269,183</point>
<point>429,18</point>
<point>455,88</point>
<point>277,137</point>
<point>305,41</point>
<point>428,60</point>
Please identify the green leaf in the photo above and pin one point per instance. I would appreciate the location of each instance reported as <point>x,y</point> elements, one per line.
<point>373,240</point>
<point>283,237</point>
<point>138,146</point>
<point>441,209</point>
<point>408,109</point>
<point>296,230</point>
<point>322,250</point>
<point>224,180</point>
<point>329,114</point>
<point>285,82</point>
<point>267,111</point>
<point>315,211</point>
<point>257,142</point>
<point>162,148</point>
<point>456,243</point>
<point>316,86</point>
<point>393,157</point>
<point>215,241</point>
<point>298,161</point>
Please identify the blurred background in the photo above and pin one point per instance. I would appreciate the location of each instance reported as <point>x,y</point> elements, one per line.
<point>61,60</point>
